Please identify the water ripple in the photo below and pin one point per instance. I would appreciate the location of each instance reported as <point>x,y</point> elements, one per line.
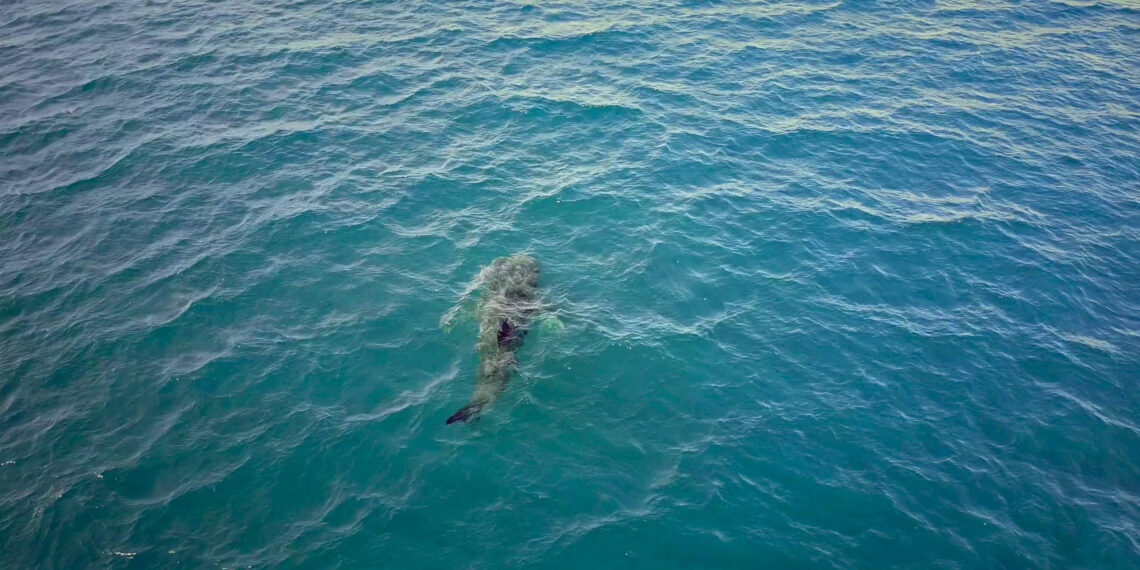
<point>841,285</point>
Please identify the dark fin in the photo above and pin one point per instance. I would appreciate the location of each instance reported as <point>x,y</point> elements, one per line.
<point>465,412</point>
<point>510,336</point>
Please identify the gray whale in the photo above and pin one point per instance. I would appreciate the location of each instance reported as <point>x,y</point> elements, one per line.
<point>508,302</point>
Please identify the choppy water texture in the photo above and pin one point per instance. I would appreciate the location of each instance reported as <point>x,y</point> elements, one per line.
<point>844,284</point>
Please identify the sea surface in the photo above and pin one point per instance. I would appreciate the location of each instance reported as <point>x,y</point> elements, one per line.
<point>842,284</point>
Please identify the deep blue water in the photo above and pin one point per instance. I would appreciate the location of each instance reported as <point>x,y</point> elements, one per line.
<point>846,284</point>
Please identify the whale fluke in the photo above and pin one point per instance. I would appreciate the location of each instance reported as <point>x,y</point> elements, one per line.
<point>466,412</point>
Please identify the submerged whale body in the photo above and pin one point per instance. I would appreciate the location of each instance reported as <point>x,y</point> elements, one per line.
<point>508,301</point>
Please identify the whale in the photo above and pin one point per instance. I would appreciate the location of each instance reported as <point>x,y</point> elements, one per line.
<point>508,302</point>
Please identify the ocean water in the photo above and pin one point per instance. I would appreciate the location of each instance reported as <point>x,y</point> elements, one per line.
<point>844,284</point>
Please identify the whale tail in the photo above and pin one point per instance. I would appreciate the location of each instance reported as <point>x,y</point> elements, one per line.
<point>466,412</point>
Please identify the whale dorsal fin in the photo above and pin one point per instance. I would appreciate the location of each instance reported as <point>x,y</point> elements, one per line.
<point>510,336</point>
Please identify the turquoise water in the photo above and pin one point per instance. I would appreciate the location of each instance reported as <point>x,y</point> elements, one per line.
<point>844,284</point>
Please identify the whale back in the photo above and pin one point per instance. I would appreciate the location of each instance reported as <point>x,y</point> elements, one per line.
<point>508,300</point>
<point>514,277</point>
